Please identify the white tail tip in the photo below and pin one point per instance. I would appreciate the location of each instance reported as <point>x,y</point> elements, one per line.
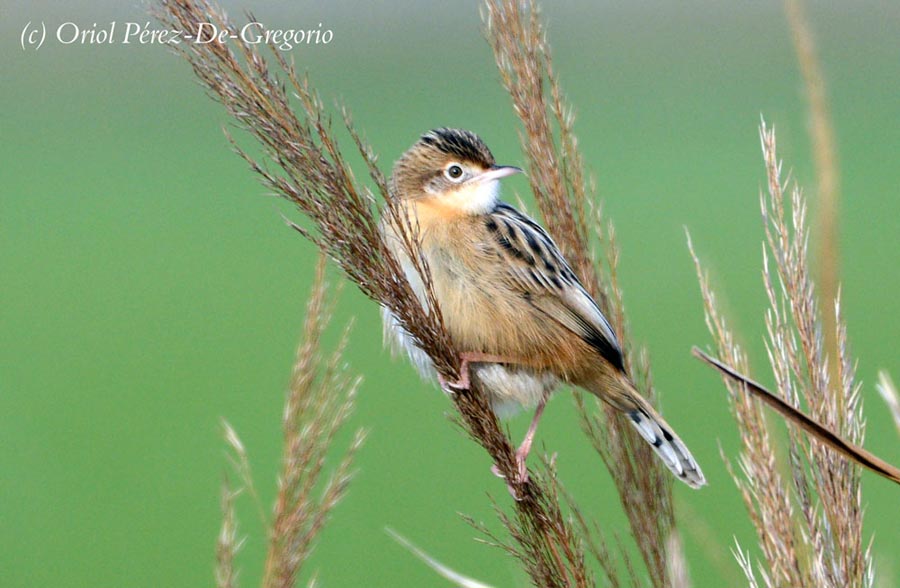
<point>668,447</point>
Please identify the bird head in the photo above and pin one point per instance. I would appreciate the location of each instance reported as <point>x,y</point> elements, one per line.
<point>452,168</point>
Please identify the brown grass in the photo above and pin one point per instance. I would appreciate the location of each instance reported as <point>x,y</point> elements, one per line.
<point>319,401</point>
<point>318,404</point>
<point>564,198</point>
<point>824,150</point>
<point>304,165</point>
<point>808,519</point>
<point>809,523</point>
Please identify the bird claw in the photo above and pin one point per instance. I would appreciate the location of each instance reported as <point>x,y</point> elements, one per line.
<point>464,381</point>
<point>522,467</point>
<point>455,386</point>
<point>520,479</point>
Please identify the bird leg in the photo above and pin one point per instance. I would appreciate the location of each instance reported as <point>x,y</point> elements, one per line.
<point>525,448</point>
<point>521,475</point>
<point>464,382</point>
<point>465,359</point>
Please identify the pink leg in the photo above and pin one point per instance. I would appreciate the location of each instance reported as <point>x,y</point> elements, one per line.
<point>467,358</point>
<point>525,448</point>
<point>464,382</point>
<point>523,451</point>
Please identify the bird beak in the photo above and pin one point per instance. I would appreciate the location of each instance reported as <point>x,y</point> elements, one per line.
<point>497,172</point>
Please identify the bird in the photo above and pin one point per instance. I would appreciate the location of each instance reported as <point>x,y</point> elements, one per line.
<point>521,319</point>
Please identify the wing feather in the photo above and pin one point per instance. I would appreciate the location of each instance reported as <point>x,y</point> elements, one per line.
<point>535,266</point>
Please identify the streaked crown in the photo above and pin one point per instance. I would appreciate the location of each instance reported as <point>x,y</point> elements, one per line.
<point>424,167</point>
<point>459,143</point>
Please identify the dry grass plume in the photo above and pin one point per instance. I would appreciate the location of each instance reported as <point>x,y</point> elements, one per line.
<point>320,399</point>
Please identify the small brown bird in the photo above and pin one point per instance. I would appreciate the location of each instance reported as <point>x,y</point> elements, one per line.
<point>508,298</point>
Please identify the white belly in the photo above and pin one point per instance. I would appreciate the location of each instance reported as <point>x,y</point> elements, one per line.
<point>509,389</point>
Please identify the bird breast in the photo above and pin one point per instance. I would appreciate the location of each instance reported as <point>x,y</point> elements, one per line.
<point>468,300</point>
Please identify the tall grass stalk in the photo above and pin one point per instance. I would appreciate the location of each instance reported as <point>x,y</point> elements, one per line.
<point>808,518</point>
<point>565,199</point>
<point>320,399</point>
<point>824,150</point>
<point>809,521</point>
<point>303,164</point>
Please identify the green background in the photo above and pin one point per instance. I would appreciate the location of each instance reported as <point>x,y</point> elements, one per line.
<point>148,286</point>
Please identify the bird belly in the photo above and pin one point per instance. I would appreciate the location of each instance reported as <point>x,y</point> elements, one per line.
<point>510,388</point>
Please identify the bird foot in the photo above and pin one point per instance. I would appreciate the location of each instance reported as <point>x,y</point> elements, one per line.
<point>521,477</point>
<point>455,386</point>
<point>465,359</point>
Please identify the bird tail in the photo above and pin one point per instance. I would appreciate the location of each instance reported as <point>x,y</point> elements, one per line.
<point>656,431</point>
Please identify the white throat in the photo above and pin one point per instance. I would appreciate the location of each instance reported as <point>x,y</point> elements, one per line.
<point>479,198</point>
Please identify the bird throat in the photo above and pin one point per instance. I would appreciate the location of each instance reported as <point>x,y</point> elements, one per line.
<point>473,200</point>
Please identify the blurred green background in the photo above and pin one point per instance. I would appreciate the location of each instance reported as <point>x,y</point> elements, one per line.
<point>149,286</point>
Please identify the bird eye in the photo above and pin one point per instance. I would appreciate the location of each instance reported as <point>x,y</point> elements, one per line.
<point>454,172</point>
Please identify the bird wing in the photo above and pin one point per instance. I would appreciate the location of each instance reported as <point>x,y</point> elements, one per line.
<point>536,267</point>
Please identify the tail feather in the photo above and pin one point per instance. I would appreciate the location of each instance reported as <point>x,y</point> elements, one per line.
<point>619,392</point>
<point>673,452</point>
